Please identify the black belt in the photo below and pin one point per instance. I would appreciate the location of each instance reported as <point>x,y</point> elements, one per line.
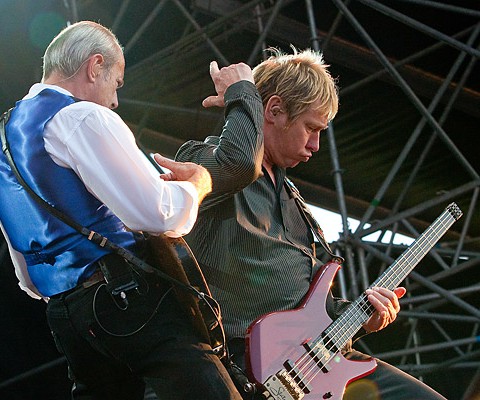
<point>112,269</point>
<point>95,278</point>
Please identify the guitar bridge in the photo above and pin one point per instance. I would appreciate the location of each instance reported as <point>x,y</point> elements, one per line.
<point>282,386</point>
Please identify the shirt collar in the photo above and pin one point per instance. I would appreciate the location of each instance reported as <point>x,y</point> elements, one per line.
<point>38,87</point>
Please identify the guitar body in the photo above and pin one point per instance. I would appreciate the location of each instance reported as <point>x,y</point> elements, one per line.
<point>174,257</point>
<point>279,336</point>
<point>295,354</point>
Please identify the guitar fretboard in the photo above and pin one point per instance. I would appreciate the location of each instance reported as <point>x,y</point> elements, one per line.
<point>339,332</point>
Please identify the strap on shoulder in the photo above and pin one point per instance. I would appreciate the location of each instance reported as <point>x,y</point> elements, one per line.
<point>310,220</point>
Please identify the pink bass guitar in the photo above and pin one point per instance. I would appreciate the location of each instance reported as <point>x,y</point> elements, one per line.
<point>295,354</point>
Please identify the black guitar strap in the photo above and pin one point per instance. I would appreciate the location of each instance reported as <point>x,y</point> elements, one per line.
<point>310,220</point>
<point>94,237</point>
<point>209,329</point>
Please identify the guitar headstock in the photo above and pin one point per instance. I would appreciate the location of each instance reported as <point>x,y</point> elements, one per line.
<point>455,211</point>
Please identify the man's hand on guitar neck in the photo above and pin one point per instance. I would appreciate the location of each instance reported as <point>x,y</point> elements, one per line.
<point>386,305</point>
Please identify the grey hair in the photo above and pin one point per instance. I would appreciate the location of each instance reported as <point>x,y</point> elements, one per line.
<point>69,50</point>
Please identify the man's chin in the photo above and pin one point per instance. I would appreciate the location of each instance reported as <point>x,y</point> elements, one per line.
<point>293,164</point>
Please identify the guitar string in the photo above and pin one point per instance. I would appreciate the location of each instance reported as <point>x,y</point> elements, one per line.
<point>430,237</point>
<point>367,307</point>
<point>310,365</point>
<point>357,314</point>
<point>363,301</point>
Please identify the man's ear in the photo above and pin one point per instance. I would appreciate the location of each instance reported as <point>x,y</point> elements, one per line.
<point>274,108</point>
<point>94,66</point>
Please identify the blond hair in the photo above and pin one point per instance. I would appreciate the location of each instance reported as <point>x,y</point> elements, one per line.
<point>299,79</point>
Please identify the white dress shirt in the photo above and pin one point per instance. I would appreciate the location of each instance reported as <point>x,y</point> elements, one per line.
<point>94,141</point>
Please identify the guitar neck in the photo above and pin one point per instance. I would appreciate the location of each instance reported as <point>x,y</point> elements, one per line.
<point>359,311</point>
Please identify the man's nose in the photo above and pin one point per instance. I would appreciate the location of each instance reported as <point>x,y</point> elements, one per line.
<point>314,143</point>
<point>114,105</point>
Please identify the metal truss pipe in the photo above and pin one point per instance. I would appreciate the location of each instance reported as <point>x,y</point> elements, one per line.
<point>261,39</point>
<point>72,5</point>
<point>199,29</point>
<point>333,28</point>
<point>445,293</point>
<point>443,250</point>
<point>452,194</point>
<point>434,296</point>
<point>409,93</point>
<point>400,63</point>
<point>466,225</point>
<point>473,262</point>
<point>144,26</point>
<point>442,6</point>
<point>421,27</point>
<point>188,40</point>
<point>417,131</point>
<point>337,176</point>
<point>436,316</point>
<point>428,347</point>
<point>426,368</point>
<point>432,106</point>
<point>120,14</point>
<point>434,304</point>
<point>424,281</point>
<point>166,107</point>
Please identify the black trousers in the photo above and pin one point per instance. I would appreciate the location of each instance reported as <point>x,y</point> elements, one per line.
<point>113,349</point>
<point>385,383</point>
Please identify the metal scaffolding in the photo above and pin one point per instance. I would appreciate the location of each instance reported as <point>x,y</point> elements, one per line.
<point>437,332</point>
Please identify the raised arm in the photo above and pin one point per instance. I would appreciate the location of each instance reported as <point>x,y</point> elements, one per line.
<point>234,158</point>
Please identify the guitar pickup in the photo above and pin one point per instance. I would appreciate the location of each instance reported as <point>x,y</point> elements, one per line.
<point>320,354</point>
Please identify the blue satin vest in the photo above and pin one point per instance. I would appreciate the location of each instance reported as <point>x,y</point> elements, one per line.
<point>57,256</point>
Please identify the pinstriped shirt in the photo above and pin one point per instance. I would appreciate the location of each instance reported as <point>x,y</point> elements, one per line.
<point>250,239</point>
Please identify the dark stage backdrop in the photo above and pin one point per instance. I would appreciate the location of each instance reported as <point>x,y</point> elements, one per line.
<point>31,368</point>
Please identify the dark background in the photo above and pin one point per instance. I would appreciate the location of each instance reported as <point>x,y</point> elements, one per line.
<point>167,77</point>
